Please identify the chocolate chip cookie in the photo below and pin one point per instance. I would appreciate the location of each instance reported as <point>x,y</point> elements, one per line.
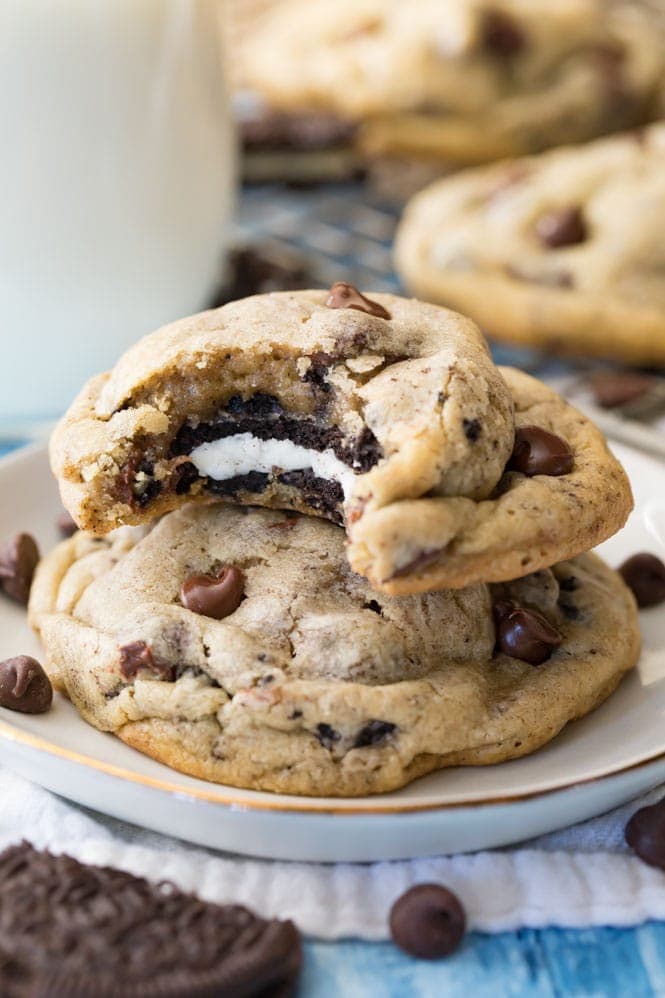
<point>237,645</point>
<point>384,414</point>
<point>460,83</point>
<point>564,251</point>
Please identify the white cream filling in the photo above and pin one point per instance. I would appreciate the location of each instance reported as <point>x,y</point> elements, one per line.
<point>243,452</point>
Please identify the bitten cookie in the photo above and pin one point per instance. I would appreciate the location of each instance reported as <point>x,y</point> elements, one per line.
<point>384,414</point>
<point>237,646</point>
<point>564,251</point>
<point>460,83</point>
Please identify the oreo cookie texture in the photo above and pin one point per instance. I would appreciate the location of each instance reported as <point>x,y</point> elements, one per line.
<point>69,930</point>
<point>382,414</point>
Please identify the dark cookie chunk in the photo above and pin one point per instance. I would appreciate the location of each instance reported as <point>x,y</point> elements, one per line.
<point>321,494</point>
<point>275,130</point>
<point>644,574</point>
<point>18,561</point>
<point>538,452</point>
<point>215,596</point>
<point>524,634</point>
<point>374,732</point>
<point>343,295</point>
<point>71,930</point>
<point>327,735</point>
<point>24,686</point>
<point>645,834</point>
<point>427,921</point>
<point>563,227</point>
<point>138,657</point>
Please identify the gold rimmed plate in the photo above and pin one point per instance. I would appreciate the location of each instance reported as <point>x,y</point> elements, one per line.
<point>595,764</point>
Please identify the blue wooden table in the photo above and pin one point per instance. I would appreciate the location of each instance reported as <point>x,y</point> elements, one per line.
<point>544,963</point>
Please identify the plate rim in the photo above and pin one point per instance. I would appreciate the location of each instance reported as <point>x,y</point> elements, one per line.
<point>224,795</point>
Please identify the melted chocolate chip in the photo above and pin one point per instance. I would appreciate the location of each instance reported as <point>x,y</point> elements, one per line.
<point>561,227</point>
<point>616,388</point>
<point>65,525</point>
<point>645,834</point>
<point>18,561</point>
<point>215,596</point>
<point>327,735</point>
<point>500,35</point>
<point>24,686</point>
<point>137,657</point>
<point>427,921</point>
<point>373,733</point>
<point>343,295</point>
<point>524,634</point>
<point>69,929</point>
<point>644,574</point>
<point>472,429</point>
<point>538,452</point>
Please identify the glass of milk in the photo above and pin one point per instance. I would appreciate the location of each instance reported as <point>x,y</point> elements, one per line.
<point>117,174</point>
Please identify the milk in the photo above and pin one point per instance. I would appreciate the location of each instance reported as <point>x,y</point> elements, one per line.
<point>116,183</point>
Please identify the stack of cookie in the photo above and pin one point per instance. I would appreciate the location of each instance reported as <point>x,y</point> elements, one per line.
<point>415,592</point>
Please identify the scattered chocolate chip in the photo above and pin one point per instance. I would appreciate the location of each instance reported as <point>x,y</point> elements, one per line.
<point>500,35</point>
<point>616,388</point>
<point>645,834</point>
<point>216,596</point>
<point>374,606</point>
<point>343,295</point>
<point>69,929</point>
<point>538,452</point>
<point>137,656</point>
<point>327,735</point>
<point>65,525</point>
<point>24,686</point>
<point>427,921</point>
<point>373,733</point>
<point>294,715</point>
<point>644,574</point>
<point>561,227</point>
<point>569,584</point>
<point>472,429</point>
<point>18,561</point>
<point>524,634</point>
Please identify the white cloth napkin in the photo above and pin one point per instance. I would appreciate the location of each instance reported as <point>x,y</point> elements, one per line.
<point>578,877</point>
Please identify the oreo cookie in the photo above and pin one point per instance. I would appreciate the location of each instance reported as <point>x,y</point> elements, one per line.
<point>68,930</point>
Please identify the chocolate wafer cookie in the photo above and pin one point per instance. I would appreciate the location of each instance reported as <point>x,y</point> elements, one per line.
<point>69,930</point>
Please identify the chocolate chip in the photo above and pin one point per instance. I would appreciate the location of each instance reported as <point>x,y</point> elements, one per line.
<point>427,921</point>
<point>137,657</point>
<point>644,574</point>
<point>374,606</point>
<point>343,295</point>
<point>645,834</point>
<point>373,733</point>
<point>524,634</point>
<point>569,584</point>
<point>18,561</point>
<point>538,452</point>
<point>69,929</point>
<point>327,735</point>
<point>616,388</point>
<point>500,35</point>
<point>561,227</point>
<point>472,429</point>
<point>215,596</point>
<point>66,525</point>
<point>24,686</point>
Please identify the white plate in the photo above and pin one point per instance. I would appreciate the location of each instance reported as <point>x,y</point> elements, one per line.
<point>595,764</point>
